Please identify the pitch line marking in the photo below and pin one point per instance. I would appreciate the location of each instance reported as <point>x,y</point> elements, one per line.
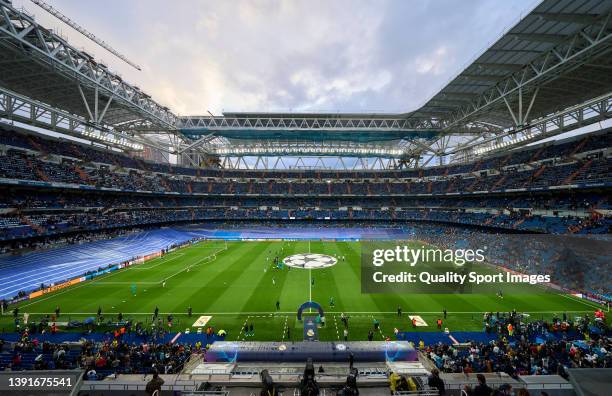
<point>309,279</point>
<point>126,283</point>
<point>142,267</point>
<point>580,300</point>
<point>336,324</point>
<point>72,288</point>
<point>284,329</point>
<point>86,283</point>
<point>241,329</point>
<point>198,262</point>
<point>267,314</point>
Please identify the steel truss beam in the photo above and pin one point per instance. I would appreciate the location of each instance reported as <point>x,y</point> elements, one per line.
<point>306,162</point>
<point>528,131</point>
<point>292,148</point>
<point>574,51</point>
<point>297,122</point>
<point>16,107</point>
<point>587,113</point>
<point>20,30</point>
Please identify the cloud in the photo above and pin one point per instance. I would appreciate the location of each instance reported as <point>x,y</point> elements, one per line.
<point>433,63</point>
<point>300,55</point>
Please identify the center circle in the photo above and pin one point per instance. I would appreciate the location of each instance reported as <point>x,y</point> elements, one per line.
<point>310,261</point>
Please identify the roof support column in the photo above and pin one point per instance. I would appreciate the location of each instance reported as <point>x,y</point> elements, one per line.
<point>91,117</point>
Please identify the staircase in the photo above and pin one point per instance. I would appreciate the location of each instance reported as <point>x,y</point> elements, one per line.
<point>498,183</point>
<point>472,186</point>
<point>536,155</point>
<point>579,146</point>
<point>490,220</point>
<point>505,161</point>
<point>583,168</point>
<point>37,146</point>
<point>518,223</point>
<point>82,174</point>
<point>39,172</point>
<point>141,164</point>
<point>535,175</point>
<point>539,172</point>
<point>164,184</point>
<point>39,229</point>
<point>595,215</point>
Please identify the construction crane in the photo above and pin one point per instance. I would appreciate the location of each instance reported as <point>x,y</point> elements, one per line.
<point>56,13</point>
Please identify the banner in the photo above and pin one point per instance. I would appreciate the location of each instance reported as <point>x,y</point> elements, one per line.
<point>56,287</point>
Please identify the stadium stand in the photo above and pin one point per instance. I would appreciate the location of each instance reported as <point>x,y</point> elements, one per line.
<point>579,206</point>
<point>80,204</point>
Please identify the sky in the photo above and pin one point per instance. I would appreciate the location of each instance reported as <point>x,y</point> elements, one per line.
<point>202,56</point>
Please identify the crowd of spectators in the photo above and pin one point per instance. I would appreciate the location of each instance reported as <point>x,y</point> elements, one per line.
<point>97,358</point>
<point>522,357</point>
<point>37,200</point>
<point>24,245</point>
<point>160,193</point>
<point>22,224</point>
<point>72,149</point>
<point>573,262</point>
<point>15,164</point>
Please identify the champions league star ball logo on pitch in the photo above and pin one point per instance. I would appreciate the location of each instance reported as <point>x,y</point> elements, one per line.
<point>310,261</point>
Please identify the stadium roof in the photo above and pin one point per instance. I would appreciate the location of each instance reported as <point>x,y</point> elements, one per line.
<point>553,63</point>
<point>540,40</point>
<point>550,73</point>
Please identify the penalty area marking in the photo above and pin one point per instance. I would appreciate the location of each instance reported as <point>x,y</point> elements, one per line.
<point>202,320</point>
<point>197,263</point>
<point>419,321</point>
<point>162,261</point>
<point>125,283</point>
<point>98,280</point>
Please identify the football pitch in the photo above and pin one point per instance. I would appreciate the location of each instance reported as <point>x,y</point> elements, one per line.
<point>236,283</point>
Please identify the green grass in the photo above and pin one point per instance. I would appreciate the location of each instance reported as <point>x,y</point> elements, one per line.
<point>233,288</point>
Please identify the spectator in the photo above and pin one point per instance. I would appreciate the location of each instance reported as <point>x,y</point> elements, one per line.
<point>436,382</point>
<point>155,384</point>
<point>482,389</point>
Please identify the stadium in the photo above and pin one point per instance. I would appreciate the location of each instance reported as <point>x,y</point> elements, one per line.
<point>461,247</point>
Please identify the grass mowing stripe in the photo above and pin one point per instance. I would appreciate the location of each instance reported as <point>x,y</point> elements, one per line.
<point>580,300</point>
<point>161,261</point>
<point>272,313</point>
<point>84,284</point>
<point>235,287</point>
